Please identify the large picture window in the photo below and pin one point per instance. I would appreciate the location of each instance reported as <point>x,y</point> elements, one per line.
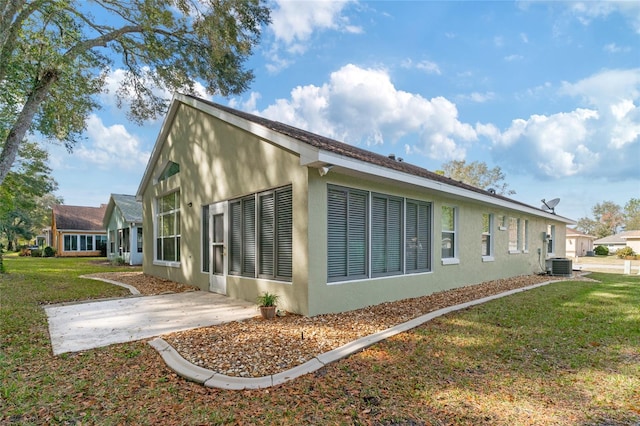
<point>514,235</point>
<point>82,242</point>
<point>261,235</point>
<point>168,228</point>
<point>372,235</point>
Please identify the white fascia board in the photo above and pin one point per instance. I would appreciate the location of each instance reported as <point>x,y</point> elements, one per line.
<point>363,167</point>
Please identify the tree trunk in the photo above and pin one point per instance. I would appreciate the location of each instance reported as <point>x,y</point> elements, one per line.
<point>24,120</point>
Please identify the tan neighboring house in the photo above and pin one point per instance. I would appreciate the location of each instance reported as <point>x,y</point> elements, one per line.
<point>621,240</point>
<point>123,222</point>
<point>237,204</point>
<point>77,230</point>
<point>578,243</point>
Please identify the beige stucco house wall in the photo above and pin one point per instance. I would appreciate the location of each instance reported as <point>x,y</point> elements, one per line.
<point>224,155</point>
<point>578,243</point>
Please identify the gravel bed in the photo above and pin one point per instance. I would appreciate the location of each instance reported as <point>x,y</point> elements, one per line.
<point>258,347</point>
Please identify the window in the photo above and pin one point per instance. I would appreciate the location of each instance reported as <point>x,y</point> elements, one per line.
<point>139,239</point>
<point>502,223</point>
<point>170,169</point>
<point>418,236</point>
<point>261,235</point>
<point>449,239</point>
<point>373,235</point>
<point>487,235</point>
<point>168,228</point>
<point>86,242</point>
<point>126,240</point>
<point>276,234</point>
<point>101,242</point>
<point>70,243</point>
<point>515,235</point>
<point>386,235</point>
<point>112,241</point>
<point>551,236</point>
<point>347,227</point>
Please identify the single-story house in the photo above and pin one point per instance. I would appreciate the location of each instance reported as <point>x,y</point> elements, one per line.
<point>123,222</point>
<point>620,240</point>
<point>578,243</point>
<point>238,204</point>
<point>77,230</point>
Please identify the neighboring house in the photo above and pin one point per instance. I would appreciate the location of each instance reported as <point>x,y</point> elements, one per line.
<point>123,222</point>
<point>77,230</point>
<point>578,243</point>
<point>238,204</point>
<point>620,240</point>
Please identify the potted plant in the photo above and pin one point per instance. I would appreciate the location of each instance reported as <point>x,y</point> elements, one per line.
<point>267,303</point>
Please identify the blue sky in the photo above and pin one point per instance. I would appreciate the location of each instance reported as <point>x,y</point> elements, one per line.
<point>547,91</point>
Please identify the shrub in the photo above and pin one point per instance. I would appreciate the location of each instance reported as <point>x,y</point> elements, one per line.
<point>49,251</point>
<point>624,252</point>
<point>2,270</point>
<point>601,251</point>
<point>36,253</point>
<point>117,261</point>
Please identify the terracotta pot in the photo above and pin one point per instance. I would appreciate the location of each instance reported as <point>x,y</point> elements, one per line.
<point>268,312</point>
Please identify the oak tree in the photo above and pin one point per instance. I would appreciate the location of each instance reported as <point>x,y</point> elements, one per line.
<point>477,174</point>
<point>55,56</point>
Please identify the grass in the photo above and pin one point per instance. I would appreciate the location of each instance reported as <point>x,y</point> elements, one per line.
<point>563,354</point>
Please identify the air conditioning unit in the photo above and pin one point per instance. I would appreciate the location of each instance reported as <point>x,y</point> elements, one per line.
<point>560,266</point>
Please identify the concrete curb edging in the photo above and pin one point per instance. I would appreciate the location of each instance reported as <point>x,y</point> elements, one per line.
<point>131,288</point>
<point>211,379</point>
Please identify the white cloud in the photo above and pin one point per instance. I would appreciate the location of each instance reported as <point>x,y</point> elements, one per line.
<point>478,97</point>
<point>587,11</point>
<point>363,105</point>
<point>295,21</point>
<point>514,57</point>
<point>111,147</point>
<point>426,66</point>
<point>604,134</point>
<point>524,38</point>
<point>614,48</point>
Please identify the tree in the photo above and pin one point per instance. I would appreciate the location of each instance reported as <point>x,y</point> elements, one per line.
<point>608,219</point>
<point>54,59</point>
<point>477,174</point>
<point>632,215</point>
<point>24,195</point>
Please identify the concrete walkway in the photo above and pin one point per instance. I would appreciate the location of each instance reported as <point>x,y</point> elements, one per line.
<point>82,326</point>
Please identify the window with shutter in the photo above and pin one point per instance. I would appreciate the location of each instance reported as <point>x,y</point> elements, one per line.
<point>418,236</point>
<point>347,233</point>
<point>284,233</point>
<point>386,235</point>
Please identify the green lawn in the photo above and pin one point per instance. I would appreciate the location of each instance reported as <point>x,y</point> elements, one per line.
<point>563,354</point>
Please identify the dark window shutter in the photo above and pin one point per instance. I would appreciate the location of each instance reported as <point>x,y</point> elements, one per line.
<point>249,236</point>
<point>337,233</point>
<point>267,234</point>
<point>284,233</point>
<point>357,234</point>
<point>235,237</point>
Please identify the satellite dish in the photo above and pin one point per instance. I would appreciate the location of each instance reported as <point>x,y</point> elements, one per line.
<point>550,205</point>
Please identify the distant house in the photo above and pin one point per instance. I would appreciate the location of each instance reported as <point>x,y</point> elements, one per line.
<point>620,240</point>
<point>77,230</point>
<point>238,204</point>
<point>123,222</point>
<point>578,243</point>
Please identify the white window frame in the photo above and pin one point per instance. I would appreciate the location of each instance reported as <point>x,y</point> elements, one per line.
<point>453,260</point>
<point>176,211</point>
<point>515,246</point>
<point>490,234</point>
<point>525,236</point>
